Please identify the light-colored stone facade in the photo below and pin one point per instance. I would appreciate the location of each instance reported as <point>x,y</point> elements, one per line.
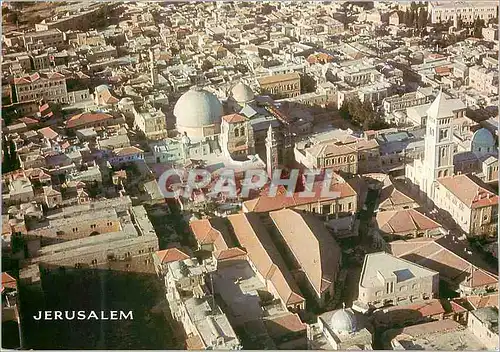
<point>386,279</point>
<point>281,85</point>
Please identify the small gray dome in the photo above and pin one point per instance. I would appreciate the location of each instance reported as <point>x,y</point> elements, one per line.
<point>101,88</point>
<point>242,93</point>
<point>343,321</point>
<point>126,101</point>
<point>197,108</point>
<point>482,141</point>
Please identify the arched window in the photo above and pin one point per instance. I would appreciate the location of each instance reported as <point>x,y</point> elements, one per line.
<point>445,173</point>
<point>242,131</point>
<point>439,174</point>
<point>236,132</point>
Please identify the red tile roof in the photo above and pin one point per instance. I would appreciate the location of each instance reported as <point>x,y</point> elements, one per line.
<point>261,251</point>
<point>404,221</point>
<point>48,133</point>
<point>478,302</point>
<point>8,282</point>
<point>210,231</point>
<point>87,118</point>
<point>234,253</point>
<point>284,324</point>
<point>413,311</point>
<point>234,118</point>
<point>171,255</point>
<point>431,254</point>
<point>313,247</point>
<point>469,190</point>
<point>194,343</point>
<point>127,151</point>
<point>281,200</point>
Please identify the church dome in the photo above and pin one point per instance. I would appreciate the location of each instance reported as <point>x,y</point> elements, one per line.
<point>482,141</point>
<point>242,93</point>
<point>343,321</point>
<point>197,108</point>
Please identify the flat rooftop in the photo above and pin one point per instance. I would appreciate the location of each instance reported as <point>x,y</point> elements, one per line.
<point>442,335</point>
<point>387,265</point>
<point>238,286</point>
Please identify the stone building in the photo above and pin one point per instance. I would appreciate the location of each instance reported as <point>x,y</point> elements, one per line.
<point>49,38</point>
<point>469,201</point>
<point>341,329</point>
<point>397,103</point>
<point>47,86</point>
<point>468,11</point>
<point>237,136</point>
<point>281,85</point>
<point>483,323</point>
<point>339,151</point>
<point>387,280</point>
<point>315,252</point>
<point>439,146</point>
<point>483,79</point>
<point>151,122</point>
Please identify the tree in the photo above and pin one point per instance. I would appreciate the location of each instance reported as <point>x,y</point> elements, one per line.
<point>422,18</point>
<point>206,65</point>
<point>402,16</point>
<point>344,111</point>
<point>6,161</point>
<point>307,84</point>
<point>15,164</point>
<point>410,18</point>
<point>478,26</point>
<point>460,23</point>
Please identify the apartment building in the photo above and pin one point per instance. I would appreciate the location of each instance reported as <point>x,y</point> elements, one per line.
<point>151,122</point>
<point>401,102</point>
<point>49,86</point>
<point>471,204</point>
<point>386,280</point>
<point>281,85</point>
<point>490,33</point>
<point>468,11</point>
<point>43,39</point>
<point>483,323</point>
<point>341,152</point>
<point>343,201</point>
<point>484,79</point>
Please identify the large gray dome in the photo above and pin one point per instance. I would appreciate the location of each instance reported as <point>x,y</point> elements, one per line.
<point>343,321</point>
<point>197,108</point>
<point>242,93</point>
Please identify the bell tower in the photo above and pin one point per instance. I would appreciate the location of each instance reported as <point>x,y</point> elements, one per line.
<point>271,151</point>
<point>152,68</point>
<point>439,146</point>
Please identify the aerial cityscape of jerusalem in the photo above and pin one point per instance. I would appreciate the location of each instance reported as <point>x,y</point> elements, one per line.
<point>217,175</point>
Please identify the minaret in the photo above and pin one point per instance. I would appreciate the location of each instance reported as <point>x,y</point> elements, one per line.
<point>271,151</point>
<point>438,160</point>
<point>152,68</point>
